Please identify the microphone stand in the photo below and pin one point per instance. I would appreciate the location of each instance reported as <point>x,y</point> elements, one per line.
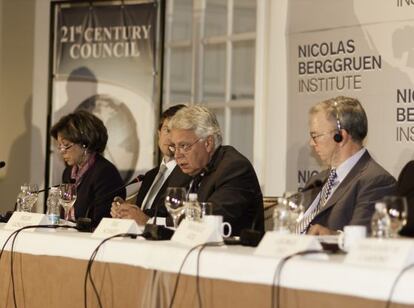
<point>84,224</point>
<point>156,232</point>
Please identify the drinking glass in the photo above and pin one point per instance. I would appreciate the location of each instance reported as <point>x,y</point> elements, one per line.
<point>288,212</point>
<point>296,208</point>
<point>67,197</point>
<point>397,210</point>
<point>28,197</point>
<point>174,202</point>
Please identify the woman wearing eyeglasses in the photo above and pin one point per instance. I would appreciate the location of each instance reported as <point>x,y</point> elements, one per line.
<point>81,139</point>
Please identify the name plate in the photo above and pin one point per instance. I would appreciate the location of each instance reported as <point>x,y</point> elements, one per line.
<point>192,233</point>
<point>22,219</point>
<point>389,253</point>
<point>112,226</point>
<point>278,245</point>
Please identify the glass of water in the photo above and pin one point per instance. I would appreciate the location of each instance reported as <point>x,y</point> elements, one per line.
<point>67,197</point>
<point>397,210</point>
<point>174,202</point>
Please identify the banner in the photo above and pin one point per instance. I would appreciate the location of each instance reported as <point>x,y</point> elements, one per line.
<point>363,49</point>
<point>104,61</point>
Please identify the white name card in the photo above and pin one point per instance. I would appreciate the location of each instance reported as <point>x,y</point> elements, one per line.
<point>278,245</point>
<point>112,226</point>
<point>192,233</point>
<point>384,253</point>
<point>22,219</point>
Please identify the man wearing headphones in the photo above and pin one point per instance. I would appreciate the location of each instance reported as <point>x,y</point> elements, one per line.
<point>353,181</point>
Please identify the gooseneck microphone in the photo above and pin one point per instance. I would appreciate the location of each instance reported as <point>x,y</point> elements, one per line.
<point>252,237</point>
<point>2,164</point>
<point>84,224</point>
<point>156,232</point>
<point>137,179</point>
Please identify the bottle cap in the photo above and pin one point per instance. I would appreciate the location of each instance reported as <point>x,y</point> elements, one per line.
<point>379,206</point>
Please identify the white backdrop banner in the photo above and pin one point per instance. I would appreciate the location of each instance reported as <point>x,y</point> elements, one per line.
<point>363,49</point>
<point>105,61</point>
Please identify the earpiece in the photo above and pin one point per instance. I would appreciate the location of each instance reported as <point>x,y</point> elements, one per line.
<point>338,135</point>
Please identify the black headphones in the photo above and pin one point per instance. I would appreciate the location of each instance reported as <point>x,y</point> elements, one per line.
<point>338,135</point>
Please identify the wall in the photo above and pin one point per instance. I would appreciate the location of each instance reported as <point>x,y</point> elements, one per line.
<point>24,48</point>
<point>17,133</point>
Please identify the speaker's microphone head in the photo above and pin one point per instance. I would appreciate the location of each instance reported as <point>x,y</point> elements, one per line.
<point>317,184</point>
<point>140,177</point>
<point>2,164</point>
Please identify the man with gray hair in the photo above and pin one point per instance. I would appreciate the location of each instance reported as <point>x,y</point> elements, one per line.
<point>353,181</point>
<point>221,174</point>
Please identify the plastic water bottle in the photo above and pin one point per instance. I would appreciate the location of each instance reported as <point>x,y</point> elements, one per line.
<point>53,207</point>
<point>380,222</point>
<point>192,208</point>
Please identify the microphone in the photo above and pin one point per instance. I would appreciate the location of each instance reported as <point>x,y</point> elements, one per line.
<point>71,181</point>
<point>47,188</point>
<point>252,237</point>
<point>137,179</point>
<point>155,232</point>
<point>84,224</point>
<point>2,164</point>
<point>316,184</point>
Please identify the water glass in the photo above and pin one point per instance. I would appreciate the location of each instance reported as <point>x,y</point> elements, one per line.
<point>67,197</point>
<point>174,203</point>
<point>397,210</point>
<point>288,212</point>
<point>27,197</point>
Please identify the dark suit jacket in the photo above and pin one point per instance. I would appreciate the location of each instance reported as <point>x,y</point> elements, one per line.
<point>176,179</point>
<point>353,201</point>
<point>406,188</point>
<point>231,184</point>
<point>101,179</point>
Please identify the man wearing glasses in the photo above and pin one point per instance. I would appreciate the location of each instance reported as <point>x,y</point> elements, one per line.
<point>151,195</point>
<point>220,174</point>
<point>353,181</point>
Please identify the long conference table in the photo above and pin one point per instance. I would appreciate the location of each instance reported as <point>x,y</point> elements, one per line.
<point>49,271</point>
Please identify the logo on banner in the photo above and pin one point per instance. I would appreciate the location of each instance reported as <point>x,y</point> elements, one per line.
<point>405,115</point>
<point>333,66</point>
<point>104,42</point>
<point>304,175</point>
<point>401,3</point>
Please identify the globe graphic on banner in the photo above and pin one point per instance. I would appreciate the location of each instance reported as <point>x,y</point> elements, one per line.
<point>123,145</point>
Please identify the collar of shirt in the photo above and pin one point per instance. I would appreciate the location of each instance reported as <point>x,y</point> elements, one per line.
<point>343,169</point>
<point>170,165</point>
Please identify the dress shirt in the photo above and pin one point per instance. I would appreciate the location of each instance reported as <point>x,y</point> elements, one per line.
<point>170,167</point>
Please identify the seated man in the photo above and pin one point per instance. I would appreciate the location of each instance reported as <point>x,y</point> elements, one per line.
<point>221,174</point>
<point>353,181</point>
<point>151,196</point>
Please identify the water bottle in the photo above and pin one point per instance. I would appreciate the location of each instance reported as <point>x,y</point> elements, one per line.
<point>192,208</point>
<point>380,222</point>
<point>53,207</point>
<point>24,190</point>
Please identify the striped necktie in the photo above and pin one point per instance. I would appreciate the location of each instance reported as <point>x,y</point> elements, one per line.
<point>303,225</point>
<point>158,181</point>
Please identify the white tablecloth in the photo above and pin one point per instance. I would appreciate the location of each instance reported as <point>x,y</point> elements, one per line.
<point>235,263</point>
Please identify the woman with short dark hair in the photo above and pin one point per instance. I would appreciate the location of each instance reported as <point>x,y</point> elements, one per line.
<point>81,139</point>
